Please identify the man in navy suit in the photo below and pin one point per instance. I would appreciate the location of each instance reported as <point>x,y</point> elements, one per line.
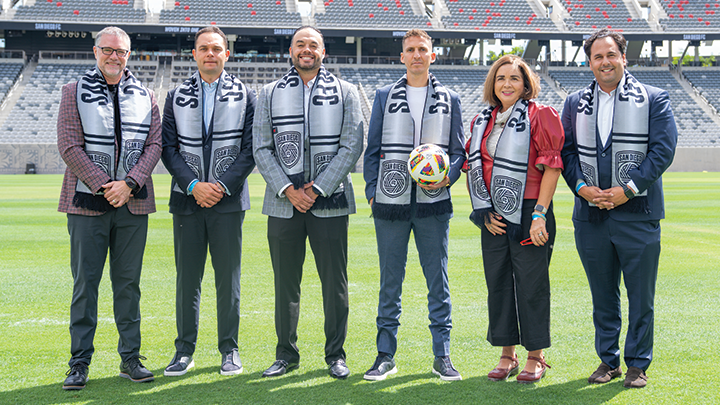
<point>207,148</point>
<point>620,137</point>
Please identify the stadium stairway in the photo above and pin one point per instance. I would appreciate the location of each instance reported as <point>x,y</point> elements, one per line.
<point>15,95</point>
<point>702,103</point>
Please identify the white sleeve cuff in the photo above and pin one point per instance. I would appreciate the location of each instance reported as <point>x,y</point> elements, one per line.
<point>282,190</point>
<point>632,186</point>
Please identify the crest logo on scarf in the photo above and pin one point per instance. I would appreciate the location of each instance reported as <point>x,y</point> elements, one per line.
<point>627,160</point>
<point>224,158</point>
<point>288,143</point>
<point>478,184</point>
<point>589,173</point>
<point>507,194</point>
<point>134,150</point>
<point>394,178</point>
<point>322,160</point>
<point>102,160</point>
<point>193,161</point>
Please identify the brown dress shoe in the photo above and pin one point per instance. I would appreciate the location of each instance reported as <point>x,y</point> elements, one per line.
<point>500,374</point>
<point>635,378</point>
<point>604,373</point>
<point>528,378</point>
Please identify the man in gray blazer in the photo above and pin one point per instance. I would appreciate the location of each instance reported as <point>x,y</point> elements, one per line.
<point>308,136</point>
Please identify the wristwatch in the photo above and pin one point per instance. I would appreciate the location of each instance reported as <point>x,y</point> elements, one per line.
<point>628,191</point>
<point>540,208</point>
<point>131,183</point>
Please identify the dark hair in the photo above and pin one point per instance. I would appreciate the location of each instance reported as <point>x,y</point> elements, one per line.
<point>306,27</point>
<point>602,33</point>
<point>416,32</point>
<point>213,30</point>
<point>531,81</point>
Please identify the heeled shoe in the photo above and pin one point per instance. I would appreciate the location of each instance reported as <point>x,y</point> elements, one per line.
<point>501,374</point>
<point>528,378</point>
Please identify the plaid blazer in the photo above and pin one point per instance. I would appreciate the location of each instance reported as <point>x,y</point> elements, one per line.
<point>71,142</point>
<point>337,172</point>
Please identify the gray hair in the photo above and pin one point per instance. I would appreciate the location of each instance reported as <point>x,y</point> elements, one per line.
<point>115,31</point>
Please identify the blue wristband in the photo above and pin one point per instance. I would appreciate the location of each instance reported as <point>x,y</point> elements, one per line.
<point>192,185</point>
<point>579,186</point>
<point>537,215</point>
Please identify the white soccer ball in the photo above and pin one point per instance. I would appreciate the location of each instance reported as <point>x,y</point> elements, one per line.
<point>428,164</point>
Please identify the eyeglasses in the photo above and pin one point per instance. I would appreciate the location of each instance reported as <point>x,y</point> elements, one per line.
<point>106,50</point>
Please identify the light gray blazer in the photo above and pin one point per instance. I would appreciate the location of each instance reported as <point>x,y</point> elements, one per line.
<point>337,172</point>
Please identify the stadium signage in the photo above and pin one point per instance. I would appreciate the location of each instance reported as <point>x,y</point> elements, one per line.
<point>283,31</point>
<point>398,33</point>
<point>182,29</point>
<point>48,26</point>
<point>694,37</point>
<point>504,35</point>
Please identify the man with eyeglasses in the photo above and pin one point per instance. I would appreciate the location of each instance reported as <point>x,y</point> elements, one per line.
<point>108,134</point>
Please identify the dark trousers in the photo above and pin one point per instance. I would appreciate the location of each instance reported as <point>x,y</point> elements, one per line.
<point>193,233</point>
<point>124,235</point>
<point>518,285</point>
<point>607,250</point>
<point>328,241</point>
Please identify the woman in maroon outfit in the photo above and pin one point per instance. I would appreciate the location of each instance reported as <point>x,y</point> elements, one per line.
<point>513,168</point>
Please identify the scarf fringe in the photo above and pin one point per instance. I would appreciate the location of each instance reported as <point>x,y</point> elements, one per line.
<point>596,215</point>
<point>142,194</point>
<point>297,180</point>
<point>391,212</point>
<point>480,215</point>
<point>514,231</point>
<point>91,202</point>
<point>637,205</point>
<point>333,202</point>
<point>425,210</point>
<point>182,202</point>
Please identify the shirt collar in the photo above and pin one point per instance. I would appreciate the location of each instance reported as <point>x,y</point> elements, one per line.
<point>210,86</point>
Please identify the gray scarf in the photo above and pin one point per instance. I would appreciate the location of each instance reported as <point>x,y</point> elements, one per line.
<point>227,125</point>
<point>509,172</point>
<point>322,133</point>
<point>629,135</point>
<point>393,198</point>
<point>96,107</point>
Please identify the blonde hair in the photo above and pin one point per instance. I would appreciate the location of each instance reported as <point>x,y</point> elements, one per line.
<point>531,80</point>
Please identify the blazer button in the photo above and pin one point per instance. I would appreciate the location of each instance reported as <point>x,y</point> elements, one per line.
<point>208,147</point>
<point>603,155</point>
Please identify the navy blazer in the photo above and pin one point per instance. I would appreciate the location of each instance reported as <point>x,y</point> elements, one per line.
<point>234,178</point>
<point>660,153</point>
<point>371,163</point>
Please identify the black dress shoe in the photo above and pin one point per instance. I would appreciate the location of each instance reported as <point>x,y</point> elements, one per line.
<point>279,368</point>
<point>77,377</point>
<point>338,369</point>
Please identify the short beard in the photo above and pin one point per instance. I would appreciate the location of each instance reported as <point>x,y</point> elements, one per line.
<point>296,64</point>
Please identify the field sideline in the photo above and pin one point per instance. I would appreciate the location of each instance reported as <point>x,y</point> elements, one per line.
<point>36,286</point>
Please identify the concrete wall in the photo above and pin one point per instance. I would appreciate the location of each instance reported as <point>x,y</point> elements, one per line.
<point>14,158</point>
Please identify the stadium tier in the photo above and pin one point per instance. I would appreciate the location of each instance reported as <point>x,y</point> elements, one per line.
<point>115,11</point>
<point>707,83</point>
<point>695,127</point>
<point>393,14</point>
<point>589,15</point>
<point>466,81</point>
<point>254,13</point>
<point>497,15</point>
<point>9,73</point>
<point>690,15</point>
<point>33,119</point>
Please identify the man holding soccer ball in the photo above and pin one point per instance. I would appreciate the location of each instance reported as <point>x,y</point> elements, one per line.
<point>415,110</point>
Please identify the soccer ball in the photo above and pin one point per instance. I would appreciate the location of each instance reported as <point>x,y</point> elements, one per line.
<point>428,164</point>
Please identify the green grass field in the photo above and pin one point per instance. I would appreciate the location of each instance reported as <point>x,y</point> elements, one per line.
<point>36,286</point>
